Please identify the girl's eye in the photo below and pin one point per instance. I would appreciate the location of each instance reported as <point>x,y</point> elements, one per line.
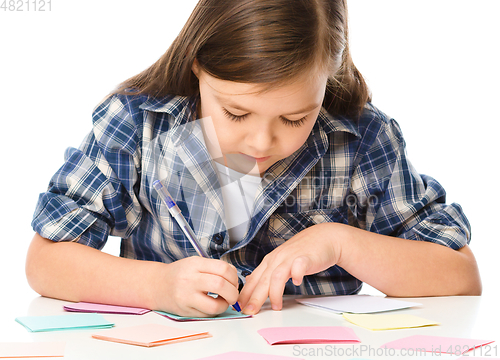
<point>232,116</point>
<point>293,123</point>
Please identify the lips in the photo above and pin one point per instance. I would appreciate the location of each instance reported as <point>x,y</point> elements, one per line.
<point>257,159</point>
<point>262,159</point>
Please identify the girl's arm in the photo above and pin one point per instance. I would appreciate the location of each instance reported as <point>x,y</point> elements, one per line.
<point>76,272</point>
<point>409,268</point>
<point>395,266</point>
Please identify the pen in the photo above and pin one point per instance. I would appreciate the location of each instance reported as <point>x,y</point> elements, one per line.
<point>176,213</point>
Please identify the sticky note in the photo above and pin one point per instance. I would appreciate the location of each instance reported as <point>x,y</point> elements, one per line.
<point>150,335</point>
<point>437,344</point>
<point>357,304</point>
<point>31,349</point>
<point>64,322</point>
<point>387,321</point>
<point>105,309</point>
<point>228,314</point>
<point>240,355</point>
<point>309,335</point>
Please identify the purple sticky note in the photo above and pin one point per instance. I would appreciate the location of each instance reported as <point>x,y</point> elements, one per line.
<point>309,335</point>
<point>104,309</point>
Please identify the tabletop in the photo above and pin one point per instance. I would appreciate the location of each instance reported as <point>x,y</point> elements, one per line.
<point>472,317</point>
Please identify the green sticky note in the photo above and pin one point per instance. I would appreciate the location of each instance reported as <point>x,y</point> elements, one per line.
<point>64,322</point>
<point>228,314</point>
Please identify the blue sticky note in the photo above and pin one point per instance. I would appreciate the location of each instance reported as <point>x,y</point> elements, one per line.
<point>64,322</point>
<point>228,314</point>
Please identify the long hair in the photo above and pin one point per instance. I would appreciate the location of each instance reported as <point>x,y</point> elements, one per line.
<point>268,42</point>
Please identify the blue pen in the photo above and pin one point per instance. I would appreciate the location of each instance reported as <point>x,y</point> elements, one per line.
<point>176,213</point>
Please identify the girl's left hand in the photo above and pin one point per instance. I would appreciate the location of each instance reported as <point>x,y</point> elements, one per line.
<point>309,252</point>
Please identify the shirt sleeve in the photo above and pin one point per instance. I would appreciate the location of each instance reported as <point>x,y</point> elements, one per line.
<point>92,195</point>
<point>390,197</point>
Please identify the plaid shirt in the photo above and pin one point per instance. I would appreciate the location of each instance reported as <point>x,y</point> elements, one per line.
<point>354,173</point>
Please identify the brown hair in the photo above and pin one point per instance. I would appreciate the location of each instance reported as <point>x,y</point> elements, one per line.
<point>260,42</point>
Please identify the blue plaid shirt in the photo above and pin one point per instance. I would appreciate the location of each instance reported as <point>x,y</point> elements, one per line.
<point>354,173</point>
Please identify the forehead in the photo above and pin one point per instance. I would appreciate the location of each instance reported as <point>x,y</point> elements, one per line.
<point>307,86</point>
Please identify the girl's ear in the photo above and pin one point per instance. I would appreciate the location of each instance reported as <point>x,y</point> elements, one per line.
<point>196,68</point>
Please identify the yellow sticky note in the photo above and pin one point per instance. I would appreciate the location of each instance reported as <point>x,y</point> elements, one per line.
<point>387,322</point>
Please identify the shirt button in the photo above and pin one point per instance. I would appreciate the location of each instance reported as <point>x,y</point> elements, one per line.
<point>218,239</point>
<point>245,273</point>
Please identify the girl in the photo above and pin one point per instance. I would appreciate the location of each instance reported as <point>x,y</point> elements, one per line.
<point>260,126</point>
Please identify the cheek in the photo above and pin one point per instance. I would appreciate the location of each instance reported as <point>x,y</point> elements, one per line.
<point>227,133</point>
<point>295,138</point>
<point>293,143</point>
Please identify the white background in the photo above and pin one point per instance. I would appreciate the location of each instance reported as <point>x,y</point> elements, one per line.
<point>432,65</point>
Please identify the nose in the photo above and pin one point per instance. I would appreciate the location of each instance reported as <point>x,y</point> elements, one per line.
<point>261,139</point>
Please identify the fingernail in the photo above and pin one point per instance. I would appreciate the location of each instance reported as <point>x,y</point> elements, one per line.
<point>248,309</point>
<point>276,307</point>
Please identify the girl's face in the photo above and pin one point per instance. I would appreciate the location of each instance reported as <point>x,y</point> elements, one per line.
<point>253,129</point>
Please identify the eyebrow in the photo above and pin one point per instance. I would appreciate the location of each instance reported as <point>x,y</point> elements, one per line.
<point>238,107</point>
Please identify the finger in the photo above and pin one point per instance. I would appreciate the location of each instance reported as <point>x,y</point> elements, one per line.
<point>216,284</point>
<point>195,304</point>
<point>206,306</point>
<point>251,282</point>
<point>259,293</point>
<point>257,299</point>
<point>299,269</point>
<point>277,285</point>
<point>222,269</point>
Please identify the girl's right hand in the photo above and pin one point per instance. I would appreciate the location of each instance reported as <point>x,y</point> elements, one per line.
<point>183,286</point>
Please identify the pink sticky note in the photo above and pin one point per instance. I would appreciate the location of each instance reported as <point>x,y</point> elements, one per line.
<point>436,344</point>
<point>150,335</point>
<point>309,335</point>
<point>105,309</point>
<point>30,350</point>
<point>248,356</point>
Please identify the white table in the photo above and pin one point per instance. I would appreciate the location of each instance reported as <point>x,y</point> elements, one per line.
<point>467,316</point>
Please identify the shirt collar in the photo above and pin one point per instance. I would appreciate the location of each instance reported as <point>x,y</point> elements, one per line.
<point>170,104</point>
<point>330,123</point>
